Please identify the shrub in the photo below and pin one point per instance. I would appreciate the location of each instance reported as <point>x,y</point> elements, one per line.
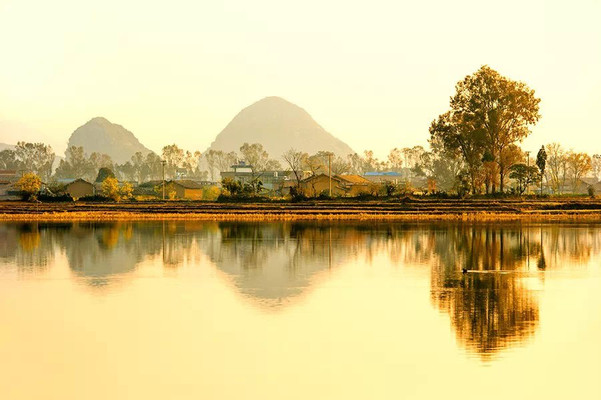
<point>235,189</point>
<point>210,193</point>
<point>104,173</point>
<point>390,189</point>
<point>297,194</point>
<point>324,196</point>
<point>30,184</point>
<point>126,191</point>
<point>62,198</point>
<point>110,188</point>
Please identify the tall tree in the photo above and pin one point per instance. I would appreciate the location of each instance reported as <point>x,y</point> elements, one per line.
<point>356,164</point>
<point>541,163</point>
<point>224,160</point>
<point>340,166</point>
<point>579,164</point>
<point>8,160</point>
<point>596,166</point>
<point>557,167</point>
<point>439,166</point>
<point>153,167</point>
<point>211,159</point>
<point>98,161</point>
<point>395,159</point>
<point>498,108</point>
<point>258,159</point>
<point>137,165</point>
<point>35,157</point>
<point>510,156</point>
<point>174,158</point>
<point>75,165</point>
<point>255,156</point>
<point>372,163</point>
<point>127,172</point>
<point>190,163</point>
<point>459,135</point>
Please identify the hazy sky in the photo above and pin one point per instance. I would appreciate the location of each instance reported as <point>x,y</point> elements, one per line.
<point>373,73</point>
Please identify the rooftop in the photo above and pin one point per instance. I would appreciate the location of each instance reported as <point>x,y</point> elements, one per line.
<point>382,173</point>
<point>354,179</point>
<point>187,183</point>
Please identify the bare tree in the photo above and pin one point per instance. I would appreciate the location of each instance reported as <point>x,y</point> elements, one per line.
<point>295,161</point>
<point>395,159</point>
<point>579,164</point>
<point>224,160</point>
<point>340,166</point>
<point>596,166</point>
<point>356,164</point>
<point>556,166</point>
<point>35,157</point>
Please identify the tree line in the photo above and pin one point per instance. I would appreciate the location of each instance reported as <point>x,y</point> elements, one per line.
<point>474,147</point>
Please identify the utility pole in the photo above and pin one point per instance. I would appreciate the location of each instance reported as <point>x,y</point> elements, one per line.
<point>330,171</point>
<point>163,162</point>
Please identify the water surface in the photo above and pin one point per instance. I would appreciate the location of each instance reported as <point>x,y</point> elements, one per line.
<point>188,310</point>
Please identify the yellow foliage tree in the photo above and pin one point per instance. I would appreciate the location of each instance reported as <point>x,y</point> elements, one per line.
<point>126,191</point>
<point>110,188</point>
<point>30,183</point>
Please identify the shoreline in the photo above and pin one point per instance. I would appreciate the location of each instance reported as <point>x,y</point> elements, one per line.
<point>584,210</point>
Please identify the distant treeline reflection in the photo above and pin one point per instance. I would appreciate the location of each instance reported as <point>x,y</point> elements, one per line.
<point>481,274</point>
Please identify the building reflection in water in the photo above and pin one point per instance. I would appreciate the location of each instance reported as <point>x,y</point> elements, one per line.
<point>492,306</point>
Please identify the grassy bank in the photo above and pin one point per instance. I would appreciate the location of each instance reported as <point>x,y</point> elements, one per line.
<point>401,210</point>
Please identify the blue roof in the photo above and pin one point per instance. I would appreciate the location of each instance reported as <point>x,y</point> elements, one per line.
<point>382,173</point>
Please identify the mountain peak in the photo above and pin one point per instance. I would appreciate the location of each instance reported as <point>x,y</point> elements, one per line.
<point>102,136</point>
<point>278,125</point>
<point>99,120</point>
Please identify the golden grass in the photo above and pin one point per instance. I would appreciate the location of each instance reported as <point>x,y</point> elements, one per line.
<point>427,210</point>
<point>536,215</point>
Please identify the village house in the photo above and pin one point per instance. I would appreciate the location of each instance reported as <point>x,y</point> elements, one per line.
<point>272,180</point>
<point>583,185</point>
<point>186,189</point>
<point>148,188</point>
<point>383,177</point>
<point>177,189</point>
<point>342,185</point>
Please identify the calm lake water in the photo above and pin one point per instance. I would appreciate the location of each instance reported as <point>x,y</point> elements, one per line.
<point>191,310</point>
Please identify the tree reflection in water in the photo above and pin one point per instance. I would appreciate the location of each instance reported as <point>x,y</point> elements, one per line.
<point>491,306</point>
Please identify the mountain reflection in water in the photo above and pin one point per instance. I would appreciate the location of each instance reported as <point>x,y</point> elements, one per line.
<point>484,276</point>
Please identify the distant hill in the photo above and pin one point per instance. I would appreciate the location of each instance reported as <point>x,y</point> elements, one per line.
<point>4,146</point>
<point>101,136</point>
<point>278,125</point>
